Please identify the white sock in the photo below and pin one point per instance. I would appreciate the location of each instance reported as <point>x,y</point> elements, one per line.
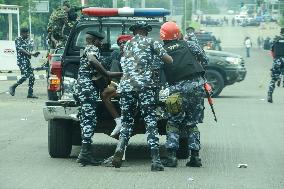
<point>118,120</point>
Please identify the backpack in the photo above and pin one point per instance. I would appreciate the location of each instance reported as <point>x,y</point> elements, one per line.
<point>278,47</point>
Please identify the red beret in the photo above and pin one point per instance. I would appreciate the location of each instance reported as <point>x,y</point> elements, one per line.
<point>123,38</point>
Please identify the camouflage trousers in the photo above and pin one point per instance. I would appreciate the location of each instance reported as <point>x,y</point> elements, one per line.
<point>192,93</point>
<point>87,97</point>
<point>26,73</point>
<point>146,102</point>
<point>278,65</point>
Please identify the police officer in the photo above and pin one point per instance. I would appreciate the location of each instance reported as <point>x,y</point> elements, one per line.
<point>277,50</point>
<point>87,93</point>
<point>23,61</point>
<point>137,86</point>
<point>189,86</point>
<point>190,36</point>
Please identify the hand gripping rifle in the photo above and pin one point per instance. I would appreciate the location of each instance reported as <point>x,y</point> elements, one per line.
<point>208,90</point>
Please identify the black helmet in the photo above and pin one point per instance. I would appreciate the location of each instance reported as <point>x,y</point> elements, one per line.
<point>141,25</point>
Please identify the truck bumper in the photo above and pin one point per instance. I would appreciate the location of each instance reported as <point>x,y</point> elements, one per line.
<point>60,111</point>
<point>242,74</point>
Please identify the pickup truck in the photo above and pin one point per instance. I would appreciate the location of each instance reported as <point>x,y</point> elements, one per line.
<point>61,110</point>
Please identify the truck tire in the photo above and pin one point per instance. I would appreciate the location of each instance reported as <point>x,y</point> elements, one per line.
<point>216,81</point>
<point>59,138</point>
<point>76,135</point>
<point>183,151</point>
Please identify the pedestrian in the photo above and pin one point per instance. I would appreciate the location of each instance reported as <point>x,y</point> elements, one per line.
<point>248,45</point>
<point>260,42</point>
<point>138,88</point>
<point>24,55</point>
<point>111,90</point>
<point>233,21</point>
<point>188,86</point>
<point>277,51</point>
<point>87,93</point>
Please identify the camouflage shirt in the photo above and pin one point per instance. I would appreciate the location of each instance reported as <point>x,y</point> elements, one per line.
<point>85,69</point>
<point>57,21</point>
<point>22,44</point>
<point>190,36</point>
<point>198,52</point>
<point>138,63</point>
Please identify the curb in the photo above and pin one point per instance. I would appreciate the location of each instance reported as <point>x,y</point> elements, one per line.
<point>15,77</point>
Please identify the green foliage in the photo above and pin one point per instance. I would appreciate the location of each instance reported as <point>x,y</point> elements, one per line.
<point>282,13</point>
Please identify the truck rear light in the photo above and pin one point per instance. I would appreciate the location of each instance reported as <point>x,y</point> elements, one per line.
<point>54,83</point>
<point>55,77</point>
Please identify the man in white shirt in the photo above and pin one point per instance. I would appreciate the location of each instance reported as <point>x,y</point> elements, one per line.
<point>248,45</point>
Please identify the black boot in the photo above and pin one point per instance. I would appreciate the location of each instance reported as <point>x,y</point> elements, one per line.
<point>12,89</point>
<point>171,160</point>
<point>195,160</point>
<point>85,157</point>
<point>156,161</point>
<point>269,98</point>
<point>278,82</point>
<point>30,94</point>
<point>119,151</point>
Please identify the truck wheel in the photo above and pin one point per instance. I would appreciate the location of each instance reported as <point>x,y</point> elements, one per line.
<point>76,135</point>
<point>59,138</point>
<point>183,151</point>
<point>216,81</point>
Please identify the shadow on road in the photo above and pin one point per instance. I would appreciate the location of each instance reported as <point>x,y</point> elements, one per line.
<point>134,151</point>
<point>244,97</point>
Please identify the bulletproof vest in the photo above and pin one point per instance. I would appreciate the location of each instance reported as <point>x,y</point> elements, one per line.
<point>185,65</point>
<point>278,47</point>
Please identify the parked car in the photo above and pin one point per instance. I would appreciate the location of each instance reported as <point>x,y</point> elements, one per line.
<point>211,22</point>
<point>208,41</point>
<point>224,69</point>
<point>250,22</point>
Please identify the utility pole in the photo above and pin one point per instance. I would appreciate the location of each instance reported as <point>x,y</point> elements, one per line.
<point>30,19</point>
<point>114,3</point>
<point>142,3</point>
<point>126,3</point>
<point>184,15</point>
<point>171,7</point>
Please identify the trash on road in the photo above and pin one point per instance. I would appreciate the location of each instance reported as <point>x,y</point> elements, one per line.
<point>190,179</point>
<point>242,165</point>
<point>24,119</point>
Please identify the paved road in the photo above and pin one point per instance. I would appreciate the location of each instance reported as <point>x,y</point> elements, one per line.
<point>249,131</point>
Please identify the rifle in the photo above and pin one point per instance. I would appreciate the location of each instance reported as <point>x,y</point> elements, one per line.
<point>208,89</point>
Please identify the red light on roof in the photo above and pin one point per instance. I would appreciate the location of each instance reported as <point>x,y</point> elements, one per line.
<point>91,11</point>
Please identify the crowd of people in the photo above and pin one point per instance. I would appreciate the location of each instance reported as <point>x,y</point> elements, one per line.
<point>137,88</point>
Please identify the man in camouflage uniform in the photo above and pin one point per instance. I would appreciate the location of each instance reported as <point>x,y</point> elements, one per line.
<point>59,25</point>
<point>189,86</point>
<point>137,86</point>
<point>87,93</point>
<point>23,61</point>
<point>278,65</point>
<point>190,36</point>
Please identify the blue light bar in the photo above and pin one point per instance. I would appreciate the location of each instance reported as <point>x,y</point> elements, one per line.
<point>151,12</point>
